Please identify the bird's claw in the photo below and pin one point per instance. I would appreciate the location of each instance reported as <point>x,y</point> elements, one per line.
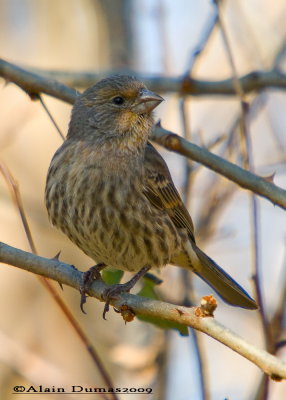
<point>112,293</point>
<point>115,290</point>
<point>87,278</point>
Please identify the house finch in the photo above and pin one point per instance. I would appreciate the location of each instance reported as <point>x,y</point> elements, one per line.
<point>112,194</point>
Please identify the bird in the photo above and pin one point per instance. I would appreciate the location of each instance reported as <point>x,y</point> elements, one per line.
<point>110,191</point>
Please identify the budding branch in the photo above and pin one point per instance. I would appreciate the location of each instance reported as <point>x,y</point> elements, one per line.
<point>68,275</point>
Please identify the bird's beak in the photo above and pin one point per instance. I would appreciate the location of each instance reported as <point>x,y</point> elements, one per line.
<point>147,101</point>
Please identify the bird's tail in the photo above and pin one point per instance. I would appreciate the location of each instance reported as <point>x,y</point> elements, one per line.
<point>230,291</point>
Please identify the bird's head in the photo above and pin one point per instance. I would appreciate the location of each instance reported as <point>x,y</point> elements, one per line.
<point>116,107</point>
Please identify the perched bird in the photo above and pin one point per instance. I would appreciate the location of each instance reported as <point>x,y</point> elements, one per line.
<point>111,193</point>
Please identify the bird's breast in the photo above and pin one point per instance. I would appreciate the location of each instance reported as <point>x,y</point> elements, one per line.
<point>101,207</point>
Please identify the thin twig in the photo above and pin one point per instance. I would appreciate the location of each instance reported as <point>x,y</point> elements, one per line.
<point>276,321</point>
<point>187,279</point>
<point>15,194</point>
<point>202,42</point>
<point>202,364</point>
<point>187,162</point>
<point>246,150</point>
<point>236,84</point>
<point>50,116</point>
<point>248,164</point>
<point>200,350</point>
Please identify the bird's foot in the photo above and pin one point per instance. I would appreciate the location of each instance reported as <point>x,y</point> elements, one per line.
<point>115,290</point>
<point>87,278</point>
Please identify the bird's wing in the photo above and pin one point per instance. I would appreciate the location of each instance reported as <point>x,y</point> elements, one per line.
<point>161,191</point>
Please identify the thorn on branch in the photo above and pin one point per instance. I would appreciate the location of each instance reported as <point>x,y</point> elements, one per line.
<point>180,312</point>
<point>270,178</point>
<point>158,124</point>
<point>57,256</point>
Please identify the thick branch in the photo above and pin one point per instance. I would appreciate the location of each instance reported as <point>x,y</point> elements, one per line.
<point>35,84</point>
<point>67,274</point>
<point>36,80</point>
<point>229,170</point>
<point>253,81</point>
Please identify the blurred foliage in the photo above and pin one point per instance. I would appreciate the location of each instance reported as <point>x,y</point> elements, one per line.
<point>148,290</point>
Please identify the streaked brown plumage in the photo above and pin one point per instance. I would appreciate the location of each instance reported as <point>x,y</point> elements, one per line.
<point>111,192</point>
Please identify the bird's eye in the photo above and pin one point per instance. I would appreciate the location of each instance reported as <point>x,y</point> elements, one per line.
<point>118,100</point>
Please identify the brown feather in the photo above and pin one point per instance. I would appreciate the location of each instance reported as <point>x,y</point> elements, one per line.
<point>162,193</point>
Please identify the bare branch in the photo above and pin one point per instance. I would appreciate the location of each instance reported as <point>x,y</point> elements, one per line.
<point>242,177</point>
<point>37,80</point>
<point>253,81</point>
<point>69,275</point>
<point>34,84</point>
